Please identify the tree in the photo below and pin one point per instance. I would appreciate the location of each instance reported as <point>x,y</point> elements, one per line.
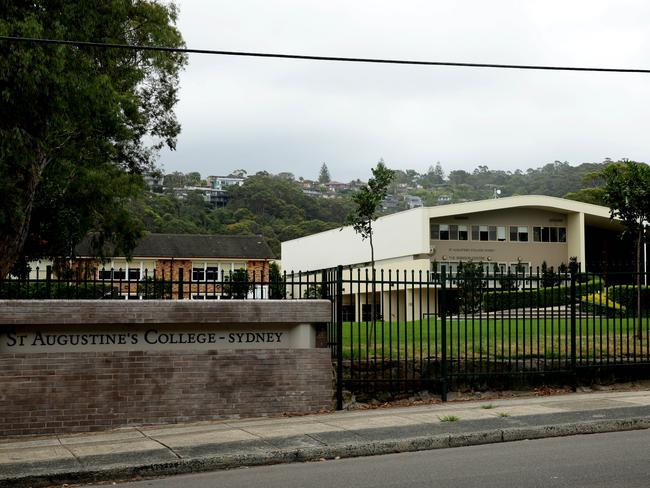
<point>324,175</point>
<point>367,201</point>
<point>277,283</point>
<point>627,194</point>
<point>237,285</point>
<point>73,119</point>
<point>470,281</point>
<point>193,178</point>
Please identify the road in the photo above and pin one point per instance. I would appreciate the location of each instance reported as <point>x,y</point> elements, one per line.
<point>620,459</point>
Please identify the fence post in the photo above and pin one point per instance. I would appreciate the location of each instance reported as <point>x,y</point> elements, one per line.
<point>48,281</point>
<point>339,337</point>
<point>180,283</point>
<point>573,269</point>
<point>442,311</point>
<point>324,288</point>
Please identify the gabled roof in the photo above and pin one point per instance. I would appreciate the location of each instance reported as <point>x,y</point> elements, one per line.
<point>193,246</point>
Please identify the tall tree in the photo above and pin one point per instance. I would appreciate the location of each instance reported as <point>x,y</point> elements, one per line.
<point>627,194</point>
<point>324,175</point>
<point>73,120</point>
<point>367,201</point>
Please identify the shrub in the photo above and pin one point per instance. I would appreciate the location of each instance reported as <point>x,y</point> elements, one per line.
<point>470,285</point>
<point>538,297</point>
<point>13,290</point>
<point>237,285</point>
<point>626,295</point>
<point>600,304</point>
<point>150,288</point>
<point>277,283</point>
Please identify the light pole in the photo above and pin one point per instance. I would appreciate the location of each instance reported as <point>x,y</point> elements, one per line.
<point>645,253</point>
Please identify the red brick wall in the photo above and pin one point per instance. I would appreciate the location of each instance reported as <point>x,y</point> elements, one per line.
<point>90,391</point>
<point>258,270</point>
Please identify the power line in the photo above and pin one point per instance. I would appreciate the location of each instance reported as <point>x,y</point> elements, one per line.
<point>319,58</point>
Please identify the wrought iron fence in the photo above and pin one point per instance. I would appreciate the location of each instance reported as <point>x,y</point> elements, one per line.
<point>125,284</point>
<point>403,331</point>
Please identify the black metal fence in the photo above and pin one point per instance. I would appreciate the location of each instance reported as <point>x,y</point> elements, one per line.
<point>181,284</point>
<point>404,331</point>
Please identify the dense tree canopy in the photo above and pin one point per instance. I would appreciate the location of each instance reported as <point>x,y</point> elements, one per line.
<point>277,208</point>
<point>273,206</point>
<point>78,125</point>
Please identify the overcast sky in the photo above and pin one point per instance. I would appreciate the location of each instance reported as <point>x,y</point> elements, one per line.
<point>283,115</point>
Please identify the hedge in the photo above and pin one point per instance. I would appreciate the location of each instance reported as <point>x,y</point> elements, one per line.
<point>601,304</point>
<point>14,290</point>
<point>538,297</point>
<point>626,295</point>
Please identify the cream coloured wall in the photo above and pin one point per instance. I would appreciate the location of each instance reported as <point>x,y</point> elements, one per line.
<point>508,252</point>
<point>395,236</point>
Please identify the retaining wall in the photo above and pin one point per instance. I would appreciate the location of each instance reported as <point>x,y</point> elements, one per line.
<point>77,366</point>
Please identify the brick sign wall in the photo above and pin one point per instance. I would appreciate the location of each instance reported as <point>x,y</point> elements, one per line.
<point>70,389</point>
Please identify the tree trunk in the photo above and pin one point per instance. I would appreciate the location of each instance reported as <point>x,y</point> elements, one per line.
<point>14,235</point>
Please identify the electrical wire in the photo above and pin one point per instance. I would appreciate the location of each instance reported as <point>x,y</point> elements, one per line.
<point>319,58</point>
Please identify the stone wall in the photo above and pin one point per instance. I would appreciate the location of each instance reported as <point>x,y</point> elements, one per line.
<point>84,390</point>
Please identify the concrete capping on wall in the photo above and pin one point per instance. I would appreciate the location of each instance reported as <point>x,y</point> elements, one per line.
<point>91,312</point>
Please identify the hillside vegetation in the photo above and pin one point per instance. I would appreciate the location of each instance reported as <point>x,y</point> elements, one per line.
<point>277,207</point>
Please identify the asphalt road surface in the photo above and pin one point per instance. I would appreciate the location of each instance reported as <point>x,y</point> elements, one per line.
<point>620,459</point>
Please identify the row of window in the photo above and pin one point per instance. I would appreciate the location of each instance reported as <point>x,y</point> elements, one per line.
<point>518,233</point>
<point>119,274</point>
<point>489,269</point>
<point>199,273</point>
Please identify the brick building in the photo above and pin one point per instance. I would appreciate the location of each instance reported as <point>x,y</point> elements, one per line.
<point>203,259</point>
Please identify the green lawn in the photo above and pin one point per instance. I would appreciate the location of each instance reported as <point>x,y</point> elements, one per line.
<point>495,339</point>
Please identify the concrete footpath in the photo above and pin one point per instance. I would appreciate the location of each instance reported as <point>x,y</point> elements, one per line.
<point>163,450</point>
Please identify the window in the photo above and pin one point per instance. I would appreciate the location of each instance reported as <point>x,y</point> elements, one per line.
<point>112,274</point>
<point>449,268</point>
<point>549,234</point>
<point>212,273</point>
<point>480,233</point>
<point>519,233</point>
<point>434,231</point>
<point>134,274</point>
<point>447,232</point>
<point>198,274</point>
<point>488,233</point>
<point>523,233</point>
<point>519,269</point>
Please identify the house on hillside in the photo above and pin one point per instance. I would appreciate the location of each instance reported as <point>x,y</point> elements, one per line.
<point>507,234</point>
